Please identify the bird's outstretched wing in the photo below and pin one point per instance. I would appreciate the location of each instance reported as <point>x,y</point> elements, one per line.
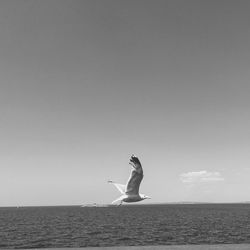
<point>120,187</point>
<point>134,181</point>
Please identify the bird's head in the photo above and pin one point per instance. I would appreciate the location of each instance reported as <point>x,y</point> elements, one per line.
<point>144,197</point>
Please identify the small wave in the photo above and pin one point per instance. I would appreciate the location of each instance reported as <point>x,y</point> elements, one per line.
<point>93,233</point>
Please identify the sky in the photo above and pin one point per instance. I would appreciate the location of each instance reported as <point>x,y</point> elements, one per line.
<point>85,84</point>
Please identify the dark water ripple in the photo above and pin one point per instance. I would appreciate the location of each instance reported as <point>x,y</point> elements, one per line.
<point>44,227</point>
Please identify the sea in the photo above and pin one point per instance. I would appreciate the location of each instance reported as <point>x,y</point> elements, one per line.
<point>171,224</point>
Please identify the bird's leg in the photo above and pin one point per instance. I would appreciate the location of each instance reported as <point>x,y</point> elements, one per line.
<point>120,204</point>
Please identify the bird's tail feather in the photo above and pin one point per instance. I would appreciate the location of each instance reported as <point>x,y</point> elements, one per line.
<point>118,199</point>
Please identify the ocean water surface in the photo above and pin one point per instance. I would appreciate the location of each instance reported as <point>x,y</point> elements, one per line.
<point>40,227</point>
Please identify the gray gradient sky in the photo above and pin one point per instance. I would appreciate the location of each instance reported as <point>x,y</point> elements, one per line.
<point>84,84</point>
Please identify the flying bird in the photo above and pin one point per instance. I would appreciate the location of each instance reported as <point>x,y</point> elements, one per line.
<point>130,191</point>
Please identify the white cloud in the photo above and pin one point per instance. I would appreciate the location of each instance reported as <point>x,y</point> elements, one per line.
<point>201,176</point>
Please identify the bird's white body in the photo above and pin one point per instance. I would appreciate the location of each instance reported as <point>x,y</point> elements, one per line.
<point>130,191</point>
<point>132,198</point>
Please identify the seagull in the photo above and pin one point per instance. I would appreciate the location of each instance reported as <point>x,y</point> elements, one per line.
<point>130,191</point>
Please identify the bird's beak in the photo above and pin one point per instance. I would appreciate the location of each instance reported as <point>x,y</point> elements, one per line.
<point>148,197</point>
